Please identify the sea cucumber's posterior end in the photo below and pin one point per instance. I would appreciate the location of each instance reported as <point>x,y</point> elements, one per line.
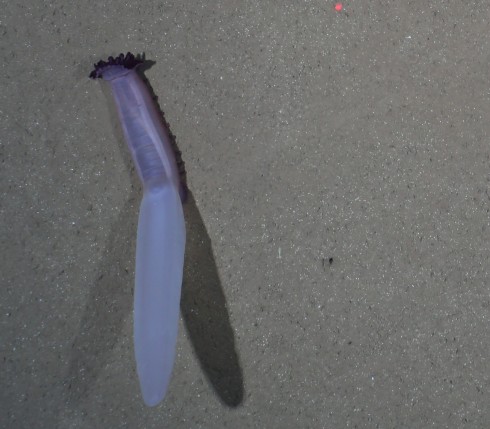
<point>128,61</point>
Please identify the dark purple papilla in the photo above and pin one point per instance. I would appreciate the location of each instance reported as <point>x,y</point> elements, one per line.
<point>129,61</point>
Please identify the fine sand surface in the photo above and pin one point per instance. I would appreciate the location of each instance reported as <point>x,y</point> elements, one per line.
<point>337,265</point>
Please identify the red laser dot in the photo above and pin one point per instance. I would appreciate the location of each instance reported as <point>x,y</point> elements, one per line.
<point>338,7</point>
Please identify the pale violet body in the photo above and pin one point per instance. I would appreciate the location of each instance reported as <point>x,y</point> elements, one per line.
<point>161,231</point>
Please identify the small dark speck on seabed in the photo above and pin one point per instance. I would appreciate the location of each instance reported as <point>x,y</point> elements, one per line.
<point>324,261</point>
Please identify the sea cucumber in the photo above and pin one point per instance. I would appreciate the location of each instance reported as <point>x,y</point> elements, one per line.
<point>160,243</point>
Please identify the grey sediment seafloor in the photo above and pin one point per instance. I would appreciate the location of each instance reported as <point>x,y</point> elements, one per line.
<point>360,137</point>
